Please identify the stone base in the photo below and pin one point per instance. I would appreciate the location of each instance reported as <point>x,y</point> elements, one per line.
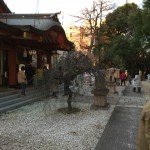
<point>100,97</point>
<point>111,86</point>
<point>106,107</point>
<point>100,100</point>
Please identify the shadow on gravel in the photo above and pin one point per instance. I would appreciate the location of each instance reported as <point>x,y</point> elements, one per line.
<point>128,91</point>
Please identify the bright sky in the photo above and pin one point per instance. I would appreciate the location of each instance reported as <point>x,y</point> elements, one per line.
<point>67,7</point>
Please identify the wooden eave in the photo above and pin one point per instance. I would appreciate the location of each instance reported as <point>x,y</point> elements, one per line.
<point>41,35</point>
<point>30,43</point>
<point>9,29</point>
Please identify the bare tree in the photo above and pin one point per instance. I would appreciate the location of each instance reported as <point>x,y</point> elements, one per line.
<point>94,18</point>
<point>68,68</point>
<point>76,63</point>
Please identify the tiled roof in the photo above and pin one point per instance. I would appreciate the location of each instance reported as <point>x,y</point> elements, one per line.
<point>4,26</point>
<point>36,23</point>
<point>41,22</point>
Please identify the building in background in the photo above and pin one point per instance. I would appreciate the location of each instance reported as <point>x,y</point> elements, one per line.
<point>80,37</point>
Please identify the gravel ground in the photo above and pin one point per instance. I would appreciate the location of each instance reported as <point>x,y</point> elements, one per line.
<point>41,127</point>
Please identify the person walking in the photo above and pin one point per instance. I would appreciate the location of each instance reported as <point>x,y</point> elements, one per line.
<point>22,80</point>
<point>143,138</point>
<point>123,78</point>
<point>137,83</point>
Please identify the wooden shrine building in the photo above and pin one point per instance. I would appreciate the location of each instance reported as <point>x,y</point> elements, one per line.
<point>26,38</point>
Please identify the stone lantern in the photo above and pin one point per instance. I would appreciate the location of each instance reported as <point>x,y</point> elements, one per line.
<point>100,91</point>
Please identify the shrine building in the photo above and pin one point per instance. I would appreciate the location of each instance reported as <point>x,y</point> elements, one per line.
<point>28,38</point>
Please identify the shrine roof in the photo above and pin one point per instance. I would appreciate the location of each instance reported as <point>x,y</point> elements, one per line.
<point>25,22</point>
<point>33,23</point>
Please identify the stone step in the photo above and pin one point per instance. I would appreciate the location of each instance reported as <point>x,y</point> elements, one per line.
<point>15,99</point>
<point>8,92</point>
<point>19,104</point>
<point>9,95</point>
<point>12,100</point>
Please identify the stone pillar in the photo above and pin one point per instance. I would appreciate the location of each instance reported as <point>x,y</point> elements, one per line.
<point>100,97</point>
<point>100,92</point>
<point>12,61</point>
<point>111,86</point>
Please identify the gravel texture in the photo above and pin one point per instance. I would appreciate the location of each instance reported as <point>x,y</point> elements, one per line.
<point>41,127</point>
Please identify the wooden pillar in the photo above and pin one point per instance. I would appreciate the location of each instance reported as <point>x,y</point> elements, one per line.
<point>12,62</point>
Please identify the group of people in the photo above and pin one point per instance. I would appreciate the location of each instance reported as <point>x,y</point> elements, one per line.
<point>41,76</point>
<point>143,137</point>
<point>26,76</point>
<point>136,81</point>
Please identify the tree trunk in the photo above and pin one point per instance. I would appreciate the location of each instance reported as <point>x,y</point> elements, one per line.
<point>69,101</point>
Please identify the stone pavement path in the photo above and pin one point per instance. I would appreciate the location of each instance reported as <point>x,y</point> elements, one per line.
<point>121,130</point>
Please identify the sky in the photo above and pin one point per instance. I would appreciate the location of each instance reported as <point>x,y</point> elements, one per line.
<point>67,7</point>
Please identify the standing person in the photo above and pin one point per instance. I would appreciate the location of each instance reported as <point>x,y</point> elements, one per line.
<point>22,80</point>
<point>140,74</point>
<point>148,77</point>
<point>39,75</point>
<point>30,72</point>
<point>45,73</point>
<point>123,78</point>
<point>143,138</point>
<point>137,82</point>
<point>46,77</point>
